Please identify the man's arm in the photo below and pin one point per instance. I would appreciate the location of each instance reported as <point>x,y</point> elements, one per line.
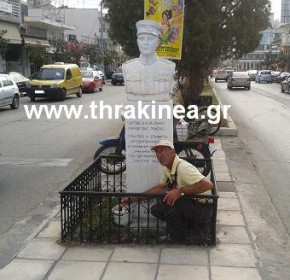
<point>202,186</point>
<point>158,189</point>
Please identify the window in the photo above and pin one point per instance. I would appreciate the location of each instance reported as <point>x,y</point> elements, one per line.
<point>7,82</point>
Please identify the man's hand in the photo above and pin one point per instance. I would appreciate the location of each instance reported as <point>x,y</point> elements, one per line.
<point>172,196</point>
<point>127,200</point>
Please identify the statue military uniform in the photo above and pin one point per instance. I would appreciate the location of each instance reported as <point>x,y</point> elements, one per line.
<point>148,78</point>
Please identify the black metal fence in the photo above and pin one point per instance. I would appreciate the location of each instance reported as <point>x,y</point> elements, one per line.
<point>91,211</point>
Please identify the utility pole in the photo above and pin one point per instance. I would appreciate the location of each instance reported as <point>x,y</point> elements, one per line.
<point>102,37</point>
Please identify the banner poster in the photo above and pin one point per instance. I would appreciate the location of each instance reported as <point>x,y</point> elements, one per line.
<point>169,13</point>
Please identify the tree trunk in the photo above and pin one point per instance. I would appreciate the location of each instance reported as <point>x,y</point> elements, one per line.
<point>193,86</point>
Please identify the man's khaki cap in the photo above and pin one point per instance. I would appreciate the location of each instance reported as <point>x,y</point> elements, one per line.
<point>162,143</point>
<point>149,27</point>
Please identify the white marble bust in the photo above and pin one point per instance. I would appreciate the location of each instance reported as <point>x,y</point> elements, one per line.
<point>148,77</point>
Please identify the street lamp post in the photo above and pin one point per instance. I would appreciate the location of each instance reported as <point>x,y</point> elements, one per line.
<point>102,37</point>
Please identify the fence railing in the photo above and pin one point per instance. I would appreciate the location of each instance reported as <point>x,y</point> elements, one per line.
<point>91,211</point>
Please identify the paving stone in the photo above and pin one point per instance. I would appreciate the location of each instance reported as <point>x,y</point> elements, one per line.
<point>223,176</point>
<point>184,255</point>
<point>233,218</point>
<point>52,230</point>
<point>227,195</point>
<point>136,254</point>
<point>182,272</point>
<point>76,270</point>
<point>233,255</point>
<point>232,234</point>
<point>130,271</point>
<point>25,270</point>
<point>87,253</point>
<point>236,273</point>
<point>228,204</point>
<point>42,248</point>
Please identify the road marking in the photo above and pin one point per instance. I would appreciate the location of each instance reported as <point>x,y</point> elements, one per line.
<point>35,161</point>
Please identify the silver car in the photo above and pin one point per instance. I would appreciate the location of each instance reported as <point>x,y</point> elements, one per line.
<point>264,76</point>
<point>239,79</point>
<point>285,85</point>
<point>9,92</point>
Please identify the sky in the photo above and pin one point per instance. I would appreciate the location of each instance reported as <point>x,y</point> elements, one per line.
<point>276,5</point>
<point>276,8</point>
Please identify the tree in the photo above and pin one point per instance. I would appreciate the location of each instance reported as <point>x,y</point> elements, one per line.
<point>3,42</point>
<point>216,29</point>
<point>37,55</point>
<point>74,52</point>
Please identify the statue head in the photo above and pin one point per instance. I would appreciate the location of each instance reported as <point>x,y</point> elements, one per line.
<point>148,33</point>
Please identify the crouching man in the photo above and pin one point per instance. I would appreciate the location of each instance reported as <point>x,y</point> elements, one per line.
<point>179,180</point>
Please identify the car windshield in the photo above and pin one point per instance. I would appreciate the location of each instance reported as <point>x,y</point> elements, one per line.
<point>240,75</point>
<point>87,74</point>
<point>265,73</point>
<point>51,74</point>
<point>119,70</point>
<point>16,76</point>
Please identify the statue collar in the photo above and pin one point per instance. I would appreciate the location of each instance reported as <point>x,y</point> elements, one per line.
<point>148,60</point>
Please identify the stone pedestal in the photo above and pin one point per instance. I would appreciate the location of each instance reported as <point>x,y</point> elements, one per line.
<point>143,169</point>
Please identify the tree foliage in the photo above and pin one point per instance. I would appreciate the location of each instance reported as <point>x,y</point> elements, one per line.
<point>37,55</point>
<point>3,42</point>
<point>213,30</point>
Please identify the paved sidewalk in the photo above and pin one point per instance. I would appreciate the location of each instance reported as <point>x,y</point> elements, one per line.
<point>232,258</point>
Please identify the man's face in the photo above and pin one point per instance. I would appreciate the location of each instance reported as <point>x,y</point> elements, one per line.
<point>147,44</point>
<point>165,155</point>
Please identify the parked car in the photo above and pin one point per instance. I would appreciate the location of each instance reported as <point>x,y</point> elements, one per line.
<point>101,73</point>
<point>9,92</point>
<point>92,81</point>
<point>109,74</point>
<point>56,81</point>
<point>264,76</point>
<point>252,74</point>
<point>221,75</point>
<point>117,77</point>
<point>282,76</point>
<point>275,75</point>
<point>239,79</point>
<point>21,81</point>
<point>229,72</point>
<point>285,85</point>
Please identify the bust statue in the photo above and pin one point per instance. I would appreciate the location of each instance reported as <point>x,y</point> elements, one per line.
<point>148,77</point>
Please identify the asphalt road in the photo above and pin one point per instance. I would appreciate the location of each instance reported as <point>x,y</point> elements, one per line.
<point>262,116</point>
<point>39,157</point>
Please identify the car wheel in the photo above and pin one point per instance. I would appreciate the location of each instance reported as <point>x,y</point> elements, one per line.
<point>62,95</point>
<point>80,92</point>
<point>215,80</point>
<point>15,102</point>
<point>32,98</point>
<point>114,83</point>
<point>100,89</point>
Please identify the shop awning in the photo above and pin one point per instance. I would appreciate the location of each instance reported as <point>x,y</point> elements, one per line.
<point>35,41</point>
<point>12,33</point>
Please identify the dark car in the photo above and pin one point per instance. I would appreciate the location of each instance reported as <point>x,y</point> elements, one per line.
<point>239,79</point>
<point>282,76</point>
<point>285,85</point>
<point>117,77</point>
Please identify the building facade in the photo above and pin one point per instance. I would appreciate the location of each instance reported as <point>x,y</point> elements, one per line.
<point>10,20</point>
<point>285,11</point>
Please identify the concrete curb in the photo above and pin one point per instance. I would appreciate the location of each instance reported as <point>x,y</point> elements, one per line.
<point>231,130</point>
